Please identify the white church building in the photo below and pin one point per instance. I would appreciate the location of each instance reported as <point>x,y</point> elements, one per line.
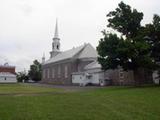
<point>79,66</point>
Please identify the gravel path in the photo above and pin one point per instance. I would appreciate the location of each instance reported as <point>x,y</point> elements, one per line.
<point>65,87</point>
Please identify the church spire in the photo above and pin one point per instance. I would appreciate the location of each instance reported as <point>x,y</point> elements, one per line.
<point>56,29</point>
<point>56,42</point>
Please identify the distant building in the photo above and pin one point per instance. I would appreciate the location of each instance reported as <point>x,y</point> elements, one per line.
<point>79,66</point>
<point>7,74</point>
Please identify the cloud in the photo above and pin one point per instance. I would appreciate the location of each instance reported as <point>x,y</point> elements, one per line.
<point>25,7</point>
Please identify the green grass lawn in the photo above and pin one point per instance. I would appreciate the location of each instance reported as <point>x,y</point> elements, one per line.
<point>24,89</point>
<point>24,102</point>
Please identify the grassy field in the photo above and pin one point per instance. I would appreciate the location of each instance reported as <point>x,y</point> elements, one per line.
<point>25,102</point>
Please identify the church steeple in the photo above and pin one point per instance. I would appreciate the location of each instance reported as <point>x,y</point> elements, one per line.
<point>56,42</point>
<point>56,30</point>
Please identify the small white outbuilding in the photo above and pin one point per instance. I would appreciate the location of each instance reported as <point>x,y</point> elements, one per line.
<point>7,77</point>
<point>92,75</point>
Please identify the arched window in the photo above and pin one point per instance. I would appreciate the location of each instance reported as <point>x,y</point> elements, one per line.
<point>66,71</point>
<point>48,73</point>
<point>53,73</point>
<point>58,47</point>
<point>59,71</point>
<point>44,74</point>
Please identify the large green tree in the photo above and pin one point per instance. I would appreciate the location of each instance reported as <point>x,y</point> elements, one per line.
<point>133,50</point>
<point>35,71</point>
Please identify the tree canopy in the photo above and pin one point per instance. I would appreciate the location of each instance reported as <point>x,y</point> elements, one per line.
<point>22,76</point>
<point>35,71</point>
<point>152,31</point>
<point>136,47</point>
<point>125,20</point>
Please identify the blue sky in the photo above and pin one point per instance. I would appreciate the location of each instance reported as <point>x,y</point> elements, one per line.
<point>27,26</point>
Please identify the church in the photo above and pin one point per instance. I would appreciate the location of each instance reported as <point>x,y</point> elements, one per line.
<point>59,68</point>
<point>79,66</point>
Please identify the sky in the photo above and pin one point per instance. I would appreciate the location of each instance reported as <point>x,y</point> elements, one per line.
<point>27,26</point>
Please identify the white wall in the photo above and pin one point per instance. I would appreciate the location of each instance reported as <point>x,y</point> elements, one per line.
<point>77,78</point>
<point>80,78</point>
<point>97,75</point>
<point>95,78</point>
<point>8,79</point>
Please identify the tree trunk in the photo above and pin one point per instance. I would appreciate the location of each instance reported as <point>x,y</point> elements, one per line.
<point>139,77</point>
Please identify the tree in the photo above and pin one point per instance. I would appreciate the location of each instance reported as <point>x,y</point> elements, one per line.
<point>131,51</point>
<point>35,71</point>
<point>22,76</point>
<point>152,32</point>
<point>125,20</point>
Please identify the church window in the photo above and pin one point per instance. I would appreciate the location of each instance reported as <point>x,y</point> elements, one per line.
<point>59,71</point>
<point>66,71</point>
<point>58,47</point>
<point>53,75</point>
<point>43,73</point>
<point>121,73</point>
<point>48,73</point>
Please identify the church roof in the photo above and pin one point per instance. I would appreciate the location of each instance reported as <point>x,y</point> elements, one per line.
<point>93,65</point>
<point>88,52</point>
<point>83,51</point>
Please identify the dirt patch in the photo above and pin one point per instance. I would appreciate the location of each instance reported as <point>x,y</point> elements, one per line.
<point>61,89</point>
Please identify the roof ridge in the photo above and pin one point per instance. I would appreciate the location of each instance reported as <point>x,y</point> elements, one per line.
<point>79,52</point>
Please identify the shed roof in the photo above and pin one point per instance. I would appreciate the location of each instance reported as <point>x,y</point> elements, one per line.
<point>92,65</point>
<point>7,74</point>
